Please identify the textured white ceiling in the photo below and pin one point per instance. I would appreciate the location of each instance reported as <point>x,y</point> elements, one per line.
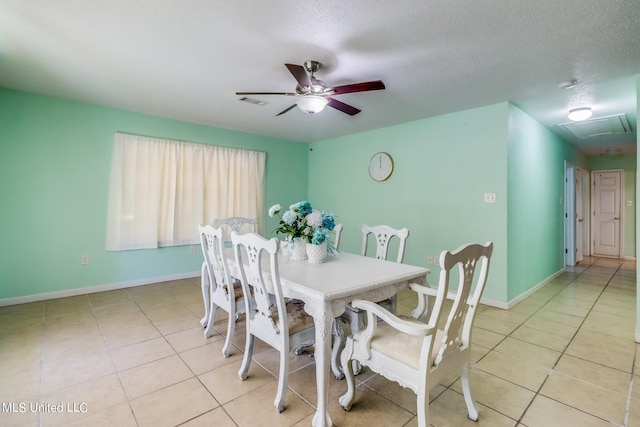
<point>186,59</point>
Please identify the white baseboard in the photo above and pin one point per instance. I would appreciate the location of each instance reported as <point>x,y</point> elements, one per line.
<point>93,289</point>
<point>522,296</point>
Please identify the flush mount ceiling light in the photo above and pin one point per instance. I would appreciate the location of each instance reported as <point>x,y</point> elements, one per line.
<point>579,114</point>
<point>312,104</point>
<point>568,84</point>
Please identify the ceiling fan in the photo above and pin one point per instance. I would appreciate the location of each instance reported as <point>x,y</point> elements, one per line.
<point>313,94</point>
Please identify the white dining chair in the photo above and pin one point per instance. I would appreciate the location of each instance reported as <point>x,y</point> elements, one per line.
<point>382,235</point>
<point>223,292</point>
<point>337,230</point>
<point>285,325</point>
<point>236,223</point>
<point>420,355</point>
<point>227,225</point>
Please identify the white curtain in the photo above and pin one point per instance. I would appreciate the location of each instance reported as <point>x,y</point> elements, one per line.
<point>160,190</point>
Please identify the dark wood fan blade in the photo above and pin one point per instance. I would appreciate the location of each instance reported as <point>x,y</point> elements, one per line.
<point>266,93</point>
<point>345,108</point>
<point>299,73</point>
<point>357,87</point>
<point>282,112</point>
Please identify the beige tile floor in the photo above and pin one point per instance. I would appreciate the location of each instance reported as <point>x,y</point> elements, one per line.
<point>137,357</point>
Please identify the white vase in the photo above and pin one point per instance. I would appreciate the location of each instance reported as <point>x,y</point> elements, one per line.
<point>297,250</point>
<point>316,254</point>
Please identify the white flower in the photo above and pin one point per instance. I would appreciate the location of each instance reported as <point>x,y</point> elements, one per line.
<point>274,210</point>
<point>314,219</point>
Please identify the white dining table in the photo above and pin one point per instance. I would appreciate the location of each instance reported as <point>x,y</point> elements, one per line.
<point>325,290</point>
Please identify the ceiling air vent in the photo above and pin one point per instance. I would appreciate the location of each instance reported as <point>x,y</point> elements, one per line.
<point>252,101</point>
<point>600,126</point>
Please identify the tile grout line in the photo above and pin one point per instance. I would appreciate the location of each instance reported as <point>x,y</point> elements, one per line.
<point>627,408</point>
<point>537,393</point>
<point>518,421</point>
<point>179,355</point>
<point>115,369</point>
<point>509,335</point>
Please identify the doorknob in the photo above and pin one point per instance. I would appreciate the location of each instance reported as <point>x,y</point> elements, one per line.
<point>616,218</point>
<point>580,220</point>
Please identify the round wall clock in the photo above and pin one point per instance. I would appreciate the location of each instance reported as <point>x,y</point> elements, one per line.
<point>381,166</point>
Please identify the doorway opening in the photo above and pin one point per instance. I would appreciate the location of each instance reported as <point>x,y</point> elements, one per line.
<point>577,200</point>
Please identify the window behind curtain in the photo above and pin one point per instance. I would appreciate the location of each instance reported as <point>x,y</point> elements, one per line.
<point>160,190</point>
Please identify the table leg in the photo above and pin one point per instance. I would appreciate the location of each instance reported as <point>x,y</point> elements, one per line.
<point>323,323</point>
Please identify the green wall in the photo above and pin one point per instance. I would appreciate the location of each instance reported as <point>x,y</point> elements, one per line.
<point>637,216</point>
<point>443,167</point>
<point>55,157</point>
<point>536,201</point>
<point>54,171</point>
<point>627,163</point>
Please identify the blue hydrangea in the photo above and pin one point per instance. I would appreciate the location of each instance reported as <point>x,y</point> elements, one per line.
<point>303,208</point>
<point>289,217</point>
<point>319,236</point>
<point>327,221</point>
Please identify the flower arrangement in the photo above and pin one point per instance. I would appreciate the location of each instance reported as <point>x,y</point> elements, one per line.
<point>302,221</point>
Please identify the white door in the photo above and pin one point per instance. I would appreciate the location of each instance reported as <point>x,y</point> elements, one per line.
<point>606,213</point>
<point>586,218</point>
<point>569,215</point>
<point>579,215</point>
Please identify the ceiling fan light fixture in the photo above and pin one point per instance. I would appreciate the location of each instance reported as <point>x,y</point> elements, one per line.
<point>312,104</point>
<point>579,114</point>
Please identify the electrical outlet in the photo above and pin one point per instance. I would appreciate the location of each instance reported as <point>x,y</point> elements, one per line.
<point>84,260</point>
<point>489,197</point>
<point>192,249</point>
<point>433,260</point>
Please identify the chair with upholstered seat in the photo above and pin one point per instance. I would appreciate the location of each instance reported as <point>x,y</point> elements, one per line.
<point>227,225</point>
<point>285,325</point>
<point>419,355</point>
<point>382,234</point>
<point>221,290</point>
